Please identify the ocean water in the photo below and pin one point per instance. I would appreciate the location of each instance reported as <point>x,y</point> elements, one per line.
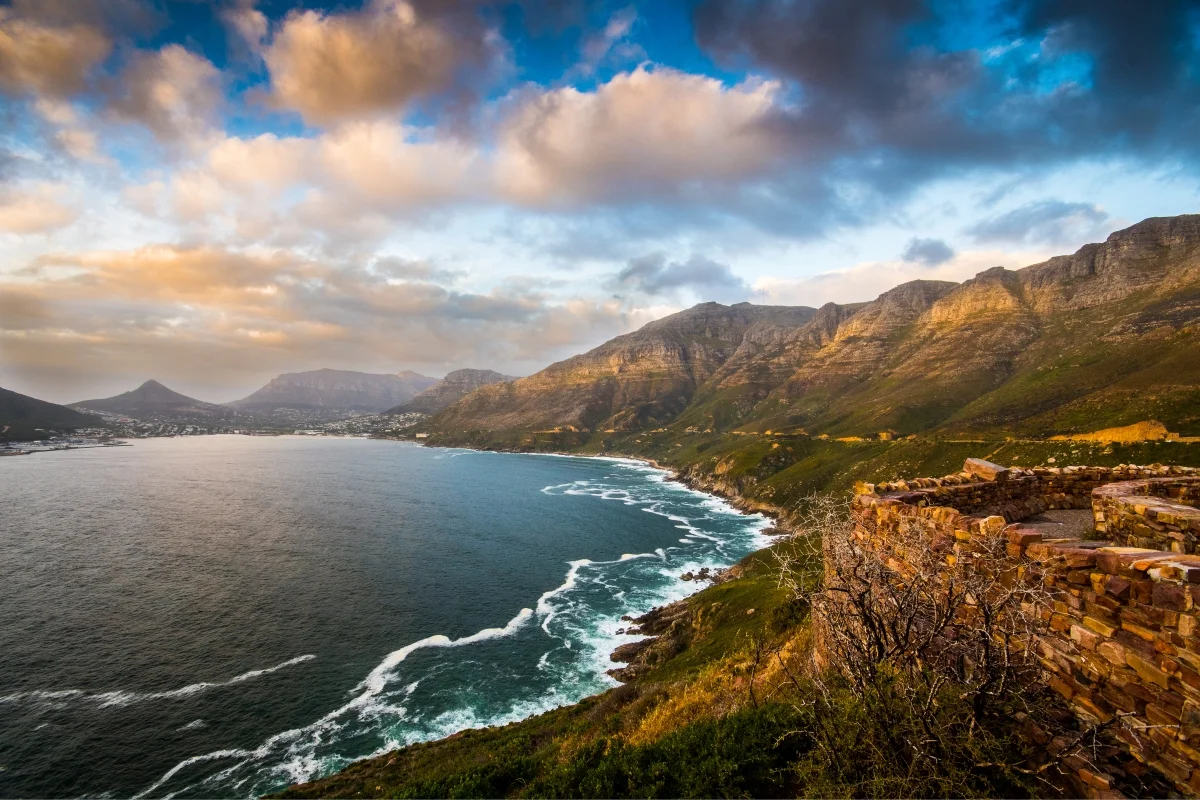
<point>224,616</point>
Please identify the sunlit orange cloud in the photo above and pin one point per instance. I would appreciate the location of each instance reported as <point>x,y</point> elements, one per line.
<point>224,321</point>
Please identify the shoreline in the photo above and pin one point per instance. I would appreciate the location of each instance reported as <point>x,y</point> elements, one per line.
<point>695,482</point>
<point>675,590</point>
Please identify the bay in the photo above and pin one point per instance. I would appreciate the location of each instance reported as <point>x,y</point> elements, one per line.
<point>223,616</point>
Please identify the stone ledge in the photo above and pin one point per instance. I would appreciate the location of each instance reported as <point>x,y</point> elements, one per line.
<point>1149,513</point>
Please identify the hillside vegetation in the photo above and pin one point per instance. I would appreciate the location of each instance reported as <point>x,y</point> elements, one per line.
<point>773,408</point>
<point>1103,338</point>
<point>21,417</point>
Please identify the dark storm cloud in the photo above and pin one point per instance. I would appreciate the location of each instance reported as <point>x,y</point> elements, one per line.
<point>887,101</point>
<point>929,252</point>
<point>1042,222</point>
<point>654,275</point>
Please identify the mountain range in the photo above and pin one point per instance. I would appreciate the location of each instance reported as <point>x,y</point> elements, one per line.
<point>450,389</point>
<point>1104,337</point>
<point>336,390</point>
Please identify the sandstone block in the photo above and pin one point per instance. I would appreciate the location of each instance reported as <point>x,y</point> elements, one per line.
<point>1113,652</point>
<point>1169,595</point>
<point>1147,671</point>
<point>985,470</point>
<point>1118,587</point>
<point>1099,626</point>
<point>1084,638</point>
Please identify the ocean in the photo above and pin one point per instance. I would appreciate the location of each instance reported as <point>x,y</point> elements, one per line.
<point>223,616</point>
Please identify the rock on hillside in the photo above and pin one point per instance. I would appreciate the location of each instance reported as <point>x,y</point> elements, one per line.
<point>1105,337</point>
<point>336,390</point>
<point>450,389</point>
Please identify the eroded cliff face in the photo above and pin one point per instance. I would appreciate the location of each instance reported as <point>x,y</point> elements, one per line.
<point>450,389</point>
<point>1103,337</point>
<point>640,379</point>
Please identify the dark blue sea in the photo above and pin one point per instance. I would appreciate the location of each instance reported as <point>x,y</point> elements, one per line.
<point>223,616</point>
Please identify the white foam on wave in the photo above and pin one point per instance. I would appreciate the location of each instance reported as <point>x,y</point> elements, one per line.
<point>544,609</point>
<point>303,765</point>
<point>124,698</point>
<point>294,755</point>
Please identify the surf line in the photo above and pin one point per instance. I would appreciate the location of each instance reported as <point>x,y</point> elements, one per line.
<point>121,697</point>
<point>370,687</point>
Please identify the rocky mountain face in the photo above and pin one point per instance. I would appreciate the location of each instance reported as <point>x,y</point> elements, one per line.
<point>645,378</point>
<point>1104,337</point>
<point>336,390</point>
<point>21,416</point>
<point>152,401</point>
<point>450,389</point>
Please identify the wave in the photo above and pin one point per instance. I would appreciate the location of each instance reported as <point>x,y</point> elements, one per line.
<point>578,628</point>
<point>369,688</point>
<point>124,698</point>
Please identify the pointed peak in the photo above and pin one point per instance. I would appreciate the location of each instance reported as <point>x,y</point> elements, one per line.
<point>152,384</point>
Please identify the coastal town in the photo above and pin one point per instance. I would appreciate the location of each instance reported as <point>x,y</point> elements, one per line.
<point>121,429</point>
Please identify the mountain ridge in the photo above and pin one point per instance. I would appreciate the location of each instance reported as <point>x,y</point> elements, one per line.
<point>456,385</point>
<point>21,416</point>
<point>336,390</point>
<point>1105,336</point>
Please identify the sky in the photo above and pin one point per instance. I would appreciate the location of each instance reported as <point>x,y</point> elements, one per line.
<point>213,193</point>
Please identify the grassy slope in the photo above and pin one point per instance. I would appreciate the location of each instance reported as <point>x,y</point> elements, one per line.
<point>556,753</point>
<point>675,731</point>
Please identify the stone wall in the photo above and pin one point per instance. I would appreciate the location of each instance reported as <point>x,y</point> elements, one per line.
<point>1016,493</point>
<point>1120,635</point>
<point>1158,513</point>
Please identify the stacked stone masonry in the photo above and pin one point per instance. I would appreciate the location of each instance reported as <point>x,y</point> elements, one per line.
<point>1122,633</point>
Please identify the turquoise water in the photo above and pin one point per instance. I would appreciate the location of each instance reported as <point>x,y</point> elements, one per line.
<point>224,616</point>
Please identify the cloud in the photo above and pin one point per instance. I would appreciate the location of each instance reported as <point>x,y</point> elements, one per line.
<point>929,252</point>
<point>248,23</point>
<point>867,280</point>
<point>654,275</point>
<point>36,209</point>
<point>330,67</point>
<point>249,314</point>
<point>892,95</point>
<point>47,61</point>
<point>173,92</point>
<point>1044,222</point>
<point>650,133</point>
<point>609,42</point>
<point>407,269</point>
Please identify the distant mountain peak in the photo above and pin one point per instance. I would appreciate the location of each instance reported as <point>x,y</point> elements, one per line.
<point>153,399</point>
<point>337,390</point>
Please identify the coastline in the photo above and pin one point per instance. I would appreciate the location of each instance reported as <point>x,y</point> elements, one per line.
<point>694,480</point>
<point>593,678</point>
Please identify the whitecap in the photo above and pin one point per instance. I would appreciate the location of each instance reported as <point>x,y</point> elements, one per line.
<point>302,766</point>
<point>120,697</point>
